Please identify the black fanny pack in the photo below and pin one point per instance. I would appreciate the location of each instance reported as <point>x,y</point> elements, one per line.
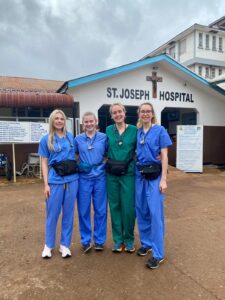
<point>117,167</point>
<point>151,171</point>
<point>66,167</point>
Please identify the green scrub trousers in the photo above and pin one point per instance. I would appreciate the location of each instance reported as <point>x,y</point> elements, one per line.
<point>120,189</point>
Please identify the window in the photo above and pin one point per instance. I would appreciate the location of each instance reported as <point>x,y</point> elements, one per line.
<point>220,71</point>
<point>19,112</point>
<point>47,111</point>
<point>33,112</point>
<point>220,44</point>
<point>207,72</point>
<point>183,47</point>
<point>172,52</point>
<point>213,73</point>
<point>207,41</point>
<point>200,40</point>
<point>200,70</point>
<point>214,43</point>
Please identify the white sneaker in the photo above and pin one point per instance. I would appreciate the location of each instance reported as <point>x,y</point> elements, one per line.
<point>65,251</point>
<point>47,252</point>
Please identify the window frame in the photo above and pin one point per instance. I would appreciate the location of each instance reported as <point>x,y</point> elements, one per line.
<point>220,49</point>
<point>207,41</point>
<point>200,40</point>
<point>214,43</point>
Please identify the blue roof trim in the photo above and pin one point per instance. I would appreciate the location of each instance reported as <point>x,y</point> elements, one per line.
<point>114,71</point>
<point>138,64</point>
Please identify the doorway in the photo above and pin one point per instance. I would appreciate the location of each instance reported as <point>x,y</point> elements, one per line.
<point>170,118</point>
<point>104,118</point>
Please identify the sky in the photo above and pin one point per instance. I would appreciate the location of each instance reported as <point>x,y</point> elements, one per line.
<point>67,39</point>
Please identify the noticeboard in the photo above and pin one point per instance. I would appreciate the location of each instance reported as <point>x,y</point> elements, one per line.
<point>190,148</point>
<point>21,132</point>
<point>25,132</point>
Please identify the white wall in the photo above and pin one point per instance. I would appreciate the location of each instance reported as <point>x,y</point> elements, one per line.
<point>210,54</point>
<point>209,104</point>
<point>189,54</point>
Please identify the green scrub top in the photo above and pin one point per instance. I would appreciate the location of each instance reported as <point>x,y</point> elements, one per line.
<point>122,147</point>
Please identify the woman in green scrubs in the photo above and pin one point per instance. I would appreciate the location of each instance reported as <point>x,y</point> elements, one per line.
<point>121,147</point>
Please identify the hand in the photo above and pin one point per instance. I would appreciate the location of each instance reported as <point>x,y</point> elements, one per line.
<point>162,186</point>
<point>158,157</point>
<point>47,191</point>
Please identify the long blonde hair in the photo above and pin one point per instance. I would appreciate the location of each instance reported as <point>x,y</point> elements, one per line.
<point>153,120</point>
<point>52,130</point>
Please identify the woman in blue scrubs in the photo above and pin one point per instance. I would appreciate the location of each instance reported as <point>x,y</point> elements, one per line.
<point>91,148</point>
<point>152,141</point>
<point>60,191</point>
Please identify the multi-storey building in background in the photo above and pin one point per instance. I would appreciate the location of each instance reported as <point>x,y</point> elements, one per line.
<point>200,48</point>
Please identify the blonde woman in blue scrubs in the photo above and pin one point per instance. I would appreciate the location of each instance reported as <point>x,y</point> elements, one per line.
<point>91,148</point>
<point>60,191</point>
<point>152,141</point>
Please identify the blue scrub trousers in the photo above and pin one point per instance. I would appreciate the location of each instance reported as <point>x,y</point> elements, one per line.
<point>62,197</point>
<point>150,215</point>
<point>95,189</point>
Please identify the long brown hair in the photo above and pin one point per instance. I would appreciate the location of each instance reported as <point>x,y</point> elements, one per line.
<point>153,120</point>
<point>51,130</point>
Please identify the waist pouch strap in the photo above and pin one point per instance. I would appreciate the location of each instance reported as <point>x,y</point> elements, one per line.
<point>151,171</point>
<point>65,167</point>
<point>117,167</point>
<point>86,168</point>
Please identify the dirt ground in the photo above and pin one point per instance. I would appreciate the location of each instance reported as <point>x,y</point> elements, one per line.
<point>194,243</point>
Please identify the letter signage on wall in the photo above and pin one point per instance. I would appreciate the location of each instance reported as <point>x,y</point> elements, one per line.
<point>190,148</point>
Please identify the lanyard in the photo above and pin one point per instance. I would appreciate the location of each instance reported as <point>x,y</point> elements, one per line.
<point>92,140</point>
<point>119,138</point>
<point>59,148</point>
<point>143,135</point>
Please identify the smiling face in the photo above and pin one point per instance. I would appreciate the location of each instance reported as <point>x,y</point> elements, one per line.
<point>118,114</point>
<point>89,124</point>
<point>58,122</point>
<point>146,114</point>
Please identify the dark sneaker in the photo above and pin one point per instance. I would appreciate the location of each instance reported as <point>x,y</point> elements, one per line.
<point>143,251</point>
<point>129,248</point>
<point>87,248</point>
<point>118,248</point>
<point>99,247</point>
<point>153,263</point>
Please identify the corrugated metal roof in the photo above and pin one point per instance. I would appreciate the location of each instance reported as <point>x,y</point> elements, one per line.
<point>20,92</point>
<point>28,84</point>
<point>34,99</point>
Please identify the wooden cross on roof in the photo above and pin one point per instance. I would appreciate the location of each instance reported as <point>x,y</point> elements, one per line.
<point>154,80</point>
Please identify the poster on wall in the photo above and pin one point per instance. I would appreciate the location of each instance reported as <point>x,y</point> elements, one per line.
<point>14,132</point>
<point>25,132</point>
<point>190,148</point>
<point>21,132</point>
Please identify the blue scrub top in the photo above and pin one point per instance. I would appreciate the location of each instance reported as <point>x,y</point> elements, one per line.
<point>63,149</point>
<point>91,152</point>
<point>149,144</point>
